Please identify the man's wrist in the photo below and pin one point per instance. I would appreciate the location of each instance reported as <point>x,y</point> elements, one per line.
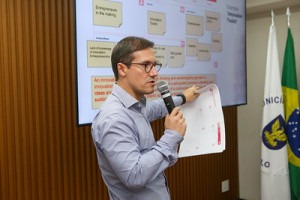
<point>183,98</point>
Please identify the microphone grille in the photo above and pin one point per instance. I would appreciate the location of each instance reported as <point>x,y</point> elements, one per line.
<point>162,86</point>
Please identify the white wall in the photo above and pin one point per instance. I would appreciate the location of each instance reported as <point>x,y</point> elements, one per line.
<point>250,115</point>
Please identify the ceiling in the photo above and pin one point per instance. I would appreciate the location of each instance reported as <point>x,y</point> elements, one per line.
<point>257,8</point>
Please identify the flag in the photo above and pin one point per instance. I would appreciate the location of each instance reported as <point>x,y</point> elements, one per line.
<point>274,159</point>
<point>291,109</point>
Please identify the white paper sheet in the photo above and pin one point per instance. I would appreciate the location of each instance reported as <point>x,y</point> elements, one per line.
<point>205,124</point>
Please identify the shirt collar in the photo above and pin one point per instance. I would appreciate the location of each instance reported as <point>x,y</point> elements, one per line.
<point>126,99</point>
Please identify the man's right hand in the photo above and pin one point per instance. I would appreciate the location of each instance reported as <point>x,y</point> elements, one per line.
<point>175,121</point>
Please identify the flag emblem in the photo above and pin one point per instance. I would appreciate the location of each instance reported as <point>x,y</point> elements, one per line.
<point>292,127</point>
<point>273,136</point>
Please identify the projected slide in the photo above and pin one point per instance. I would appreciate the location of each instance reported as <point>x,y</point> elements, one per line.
<point>199,42</point>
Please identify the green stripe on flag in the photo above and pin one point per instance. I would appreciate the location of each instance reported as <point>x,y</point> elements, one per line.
<point>294,182</point>
<point>289,78</point>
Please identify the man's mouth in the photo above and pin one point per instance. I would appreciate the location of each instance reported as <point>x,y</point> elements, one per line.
<point>151,81</point>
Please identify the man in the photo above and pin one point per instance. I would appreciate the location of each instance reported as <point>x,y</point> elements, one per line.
<point>131,162</point>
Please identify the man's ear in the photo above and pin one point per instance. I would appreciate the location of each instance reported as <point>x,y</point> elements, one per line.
<point>122,69</point>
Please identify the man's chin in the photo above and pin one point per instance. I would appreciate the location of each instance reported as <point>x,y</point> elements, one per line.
<point>150,92</point>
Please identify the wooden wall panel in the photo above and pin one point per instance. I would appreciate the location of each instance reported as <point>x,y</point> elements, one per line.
<point>43,154</point>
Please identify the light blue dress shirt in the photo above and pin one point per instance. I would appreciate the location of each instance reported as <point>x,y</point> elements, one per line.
<point>132,163</point>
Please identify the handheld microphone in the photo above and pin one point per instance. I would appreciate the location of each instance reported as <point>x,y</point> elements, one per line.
<point>163,88</point>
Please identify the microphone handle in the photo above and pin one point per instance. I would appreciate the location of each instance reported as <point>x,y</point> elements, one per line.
<point>168,102</point>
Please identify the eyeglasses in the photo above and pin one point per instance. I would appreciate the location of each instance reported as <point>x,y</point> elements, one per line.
<point>148,66</point>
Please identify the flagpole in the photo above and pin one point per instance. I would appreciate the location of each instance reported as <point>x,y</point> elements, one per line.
<point>272,15</point>
<point>288,13</point>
